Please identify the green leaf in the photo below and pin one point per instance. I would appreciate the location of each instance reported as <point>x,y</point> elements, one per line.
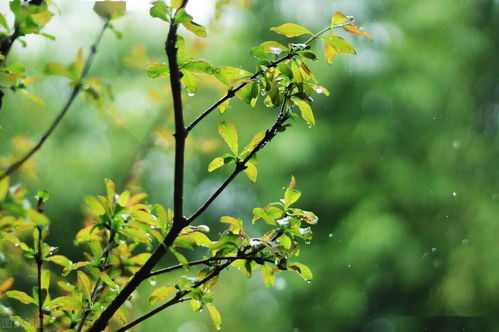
<point>291,195</point>
<point>57,69</point>
<point>216,164</point>
<point>37,218</point>
<point>110,9</point>
<point>3,22</point>
<point>182,17</point>
<point>257,139</point>
<point>189,81</point>
<point>236,225</point>
<point>84,284</point>
<point>259,213</point>
<point>339,44</point>
<point>302,270</point>
<point>251,171</point>
<point>23,323</point>
<point>229,75</point>
<point>110,190</point>
<point>20,296</point>
<point>176,3</point>
<point>268,275</point>
<point>291,30</point>
<point>4,187</point>
<point>60,260</point>
<point>65,303</point>
<point>339,18</point>
<point>195,28</point>
<point>215,315</point>
<point>161,293</point>
<point>198,66</point>
<point>160,10</point>
<point>305,109</point>
<point>229,133</point>
<point>158,70</point>
<point>42,195</point>
<point>223,106</point>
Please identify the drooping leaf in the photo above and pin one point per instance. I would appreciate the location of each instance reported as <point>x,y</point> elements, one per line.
<point>268,275</point>
<point>216,164</point>
<point>229,133</point>
<point>229,75</point>
<point>257,139</point>
<point>182,16</point>
<point>302,270</point>
<point>215,315</point>
<point>355,30</point>
<point>305,109</point>
<point>291,30</point>
<point>198,66</point>
<point>65,303</point>
<point>339,44</point>
<point>251,171</point>
<point>195,28</point>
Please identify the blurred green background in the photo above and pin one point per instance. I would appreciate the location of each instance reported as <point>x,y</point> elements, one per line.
<point>402,167</point>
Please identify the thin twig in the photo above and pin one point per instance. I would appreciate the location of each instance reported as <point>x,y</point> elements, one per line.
<point>232,92</point>
<point>241,166</point>
<point>179,297</point>
<point>198,262</point>
<point>39,266</point>
<point>76,90</point>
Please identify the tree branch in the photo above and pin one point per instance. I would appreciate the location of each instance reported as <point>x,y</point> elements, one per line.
<point>179,219</point>
<point>76,90</point>
<point>179,297</point>
<point>241,166</point>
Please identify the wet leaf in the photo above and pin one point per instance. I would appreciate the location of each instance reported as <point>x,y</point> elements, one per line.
<point>229,133</point>
<point>161,293</point>
<point>291,30</point>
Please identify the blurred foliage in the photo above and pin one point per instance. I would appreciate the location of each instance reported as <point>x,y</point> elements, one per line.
<point>401,169</point>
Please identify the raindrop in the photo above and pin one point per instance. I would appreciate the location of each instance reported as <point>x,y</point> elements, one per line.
<point>331,235</point>
<point>433,249</point>
<point>307,242</point>
<point>349,265</point>
<point>152,282</point>
<point>190,94</point>
<point>275,50</point>
<point>495,197</point>
<point>454,194</point>
<point>319,90</point>
<point>152,227</point>
<point>465,242</point>
<point>456,144</point>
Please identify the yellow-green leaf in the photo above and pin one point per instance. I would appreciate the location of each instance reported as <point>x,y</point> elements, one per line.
<point>84,284</point>
<point>65,303</point>
<point>20,296</point>
<point>229,133</point>
<point>195,28</point>
<point>355,30</point>
<point>339,44</point>
<point>268,275</point>
<point>216,164</point>
<point>158,70</point>
<point>254,142</point>
<point>215,315</point>
<point>305,109</point>
<point>251,171</point>
<point>161,293</point>
<point>302,270</point>
<point>291,30</point>
<point>339,18</point>
<point>110,9</point>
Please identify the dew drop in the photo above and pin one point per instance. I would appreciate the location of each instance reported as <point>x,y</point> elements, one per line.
<point>331,235</point>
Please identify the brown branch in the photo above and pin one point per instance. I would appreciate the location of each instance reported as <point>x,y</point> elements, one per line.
<point>179,219</point>
<point>76,90</point>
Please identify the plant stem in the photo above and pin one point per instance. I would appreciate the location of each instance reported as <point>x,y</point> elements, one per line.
<point>74,93</point>
<point>241,166</point>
